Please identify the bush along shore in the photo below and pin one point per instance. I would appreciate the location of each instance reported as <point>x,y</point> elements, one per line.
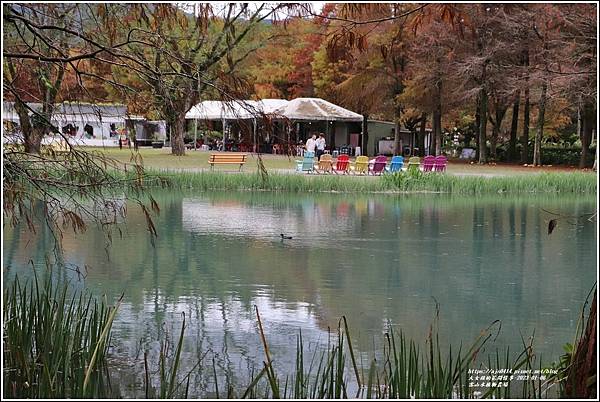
<point>56,345</point>
<point>572,182</point>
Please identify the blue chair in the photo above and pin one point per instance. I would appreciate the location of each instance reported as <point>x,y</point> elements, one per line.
<point>307,164</point>
<point>396,165</point>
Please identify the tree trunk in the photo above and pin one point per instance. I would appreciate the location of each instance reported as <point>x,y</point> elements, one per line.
<point>432,137</point>
<point>36,126</point>
<point>365,136</point>
<point>437,132</point>
<point>397,147</point>
<point>500,113</point>
<point>494,142</point>
<point>25,123</point>
<point>588,125</point>
<point>177,131</point>
<point>477,124</point>
<point>537,149</point>
<point>33,141</point>
<point>483,127</point>
<point>421,135</point>
<point>437,116</point>
<point>514,126</point>
<point>525,137</point>
<point>579,121</point>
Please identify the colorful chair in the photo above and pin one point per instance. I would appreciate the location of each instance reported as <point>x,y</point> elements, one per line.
<point>428,162</point>
<point>325,164</point>
<point>342,164</point>
<point>396,164</point>
<point>413,163</point>
<point>307,164</point>
<point>361,165</point>
<point>379,165</point>
<point>440,163</point>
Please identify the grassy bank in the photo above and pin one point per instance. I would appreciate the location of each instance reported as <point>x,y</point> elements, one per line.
<point>576,182</point>
<point>198,160</point>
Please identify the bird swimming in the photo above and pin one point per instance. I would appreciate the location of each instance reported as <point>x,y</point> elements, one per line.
<point>285,237</point>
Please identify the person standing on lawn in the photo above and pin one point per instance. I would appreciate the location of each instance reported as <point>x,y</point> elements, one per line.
<point>320,143</point>
<point>311,144</point>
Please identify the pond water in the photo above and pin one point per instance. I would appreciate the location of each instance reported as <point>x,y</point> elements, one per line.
<point>380,260</point>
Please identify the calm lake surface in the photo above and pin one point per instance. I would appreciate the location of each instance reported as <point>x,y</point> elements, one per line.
<point>380,260</point>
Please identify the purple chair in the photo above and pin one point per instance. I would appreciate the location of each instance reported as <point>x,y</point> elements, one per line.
<point>379,164</point>
<point>428,163</point>
<point>440,163</point>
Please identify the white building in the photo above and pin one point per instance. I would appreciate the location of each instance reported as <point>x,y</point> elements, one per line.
<point>90,124</point>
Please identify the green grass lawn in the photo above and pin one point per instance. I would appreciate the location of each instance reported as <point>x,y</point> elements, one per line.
<point>198,160</point>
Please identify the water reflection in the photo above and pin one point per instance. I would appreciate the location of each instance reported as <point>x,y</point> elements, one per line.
<point>376,259</point>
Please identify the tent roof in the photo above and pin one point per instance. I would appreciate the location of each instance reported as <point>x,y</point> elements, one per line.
<point>313,109</point>
<point>233,110</point>
<point>316,109</point>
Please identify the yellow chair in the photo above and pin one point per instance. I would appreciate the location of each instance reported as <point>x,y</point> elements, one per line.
<point>325,164</point>
<point>361,165</point>
<point>414,163</point>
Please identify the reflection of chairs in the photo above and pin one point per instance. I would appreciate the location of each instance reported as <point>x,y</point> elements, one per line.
<point>413,164</point>
<point>439,165</point>
<point>379,165</point>
<point>396,164</point>
<point>325,163</point>
<point>342,164</point>
<point>361,165</point>
<point>428,162</point>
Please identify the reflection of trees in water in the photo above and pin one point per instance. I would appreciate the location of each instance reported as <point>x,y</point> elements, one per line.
<point>371,258</point>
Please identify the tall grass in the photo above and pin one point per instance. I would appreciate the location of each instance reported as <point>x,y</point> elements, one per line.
<point>55,341</point>
<point>406,371</point>
<point>572,182</point>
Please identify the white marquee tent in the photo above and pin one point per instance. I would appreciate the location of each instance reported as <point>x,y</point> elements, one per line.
<point>234,110</point>
<point>296,110</point>
<point>316,109</point>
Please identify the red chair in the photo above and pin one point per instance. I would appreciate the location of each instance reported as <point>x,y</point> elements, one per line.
<point>439,165</point>
<point>342,164</point>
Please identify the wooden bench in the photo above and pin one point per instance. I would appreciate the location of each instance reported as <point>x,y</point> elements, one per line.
<point>60,147</point>
<point>227,159</point>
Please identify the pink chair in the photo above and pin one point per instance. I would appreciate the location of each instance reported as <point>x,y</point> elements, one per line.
<point>428,163</point>
<point>379,165</point>
<point>440,163</point>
